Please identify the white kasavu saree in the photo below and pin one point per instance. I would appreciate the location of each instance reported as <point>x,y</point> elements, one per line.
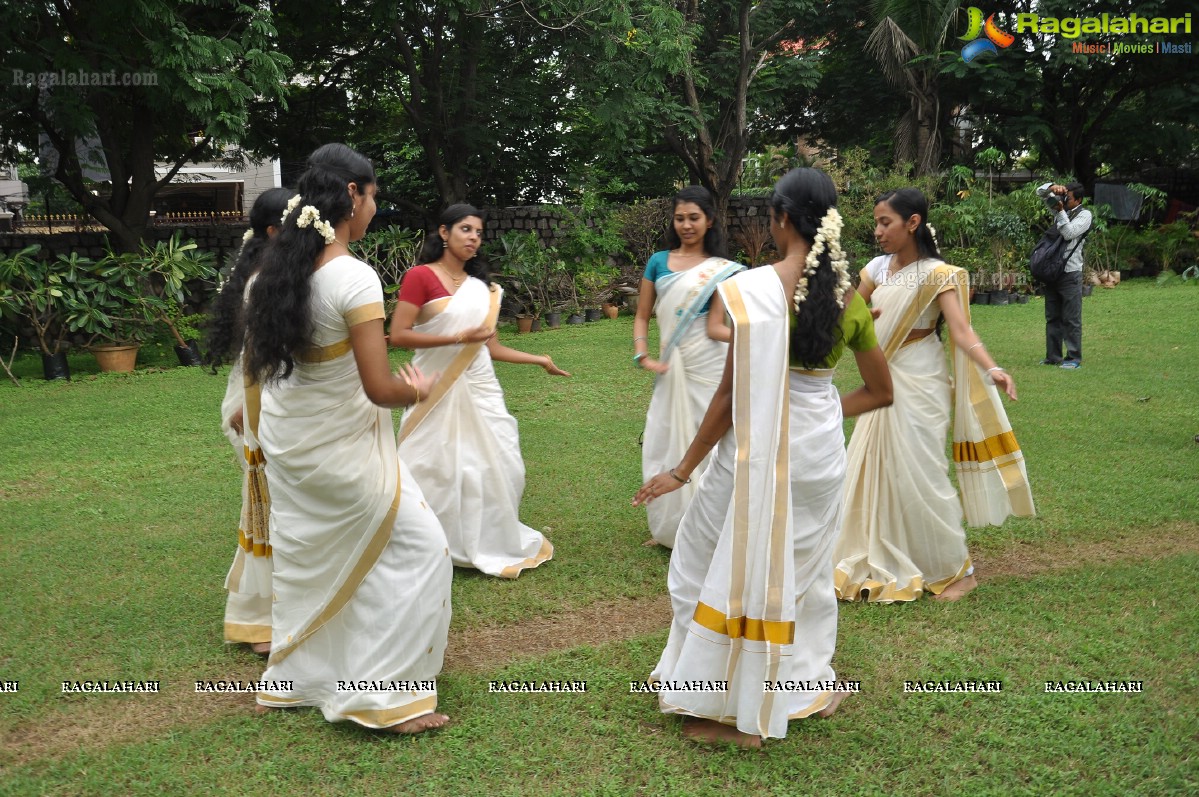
<point>463,445</point>
<point>751,573</point>
<point>362,572</point>
<point>902,533</point>
<point>682,394</point>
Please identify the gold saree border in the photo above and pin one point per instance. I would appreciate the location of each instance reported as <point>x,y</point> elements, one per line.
<point>244,632</point>
<point>456,368</point>
<point>314,355</point>
<point>364,313</point>
<point>544,554</point>
<point>776,632</point>
<point>891,592</point>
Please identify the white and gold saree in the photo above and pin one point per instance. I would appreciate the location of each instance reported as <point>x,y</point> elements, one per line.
<point>362,573</point>
<point>463,445</point>
<point>751,575</point>
<point>248,605</point>
<point>682,394</point>
<point>902,532</point>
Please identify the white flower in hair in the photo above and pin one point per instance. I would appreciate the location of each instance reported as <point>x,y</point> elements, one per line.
<point>292,204</point>
<point>933,232</point>
<point>828,238</point>
<point>247,235</point>
<point>310,216</point>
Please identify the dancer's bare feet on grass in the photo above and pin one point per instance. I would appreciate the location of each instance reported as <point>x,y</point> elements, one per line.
<point>425,722</point>
<point>831,708</point>
<point>261,648</point>
<point>650,543</point>
<point>957,590</point>
<point>711,732</point>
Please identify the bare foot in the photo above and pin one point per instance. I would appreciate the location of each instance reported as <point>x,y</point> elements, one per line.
<point>831,708</point>
<point>261,709</point>
<point>425,722</point>
<point>711,732</point>
<point>261,648</point>
<point>957,590</point>
<point>650,544</point>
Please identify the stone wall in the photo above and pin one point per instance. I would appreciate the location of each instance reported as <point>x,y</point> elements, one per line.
<point>223,240</point>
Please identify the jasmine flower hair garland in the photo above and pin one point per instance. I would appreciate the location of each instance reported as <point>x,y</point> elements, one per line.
<point>828,237</point>
<point>310,217</point>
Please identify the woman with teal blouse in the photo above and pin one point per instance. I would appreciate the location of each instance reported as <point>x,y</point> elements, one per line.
<point>751,576</point>
<point>677,288</point>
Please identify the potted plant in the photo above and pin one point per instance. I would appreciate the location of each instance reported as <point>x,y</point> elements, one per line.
<point>46,293</point>
<point>594,286</point>
<point>524,267</point>
<point>115,309</point>
<point>166,267</point>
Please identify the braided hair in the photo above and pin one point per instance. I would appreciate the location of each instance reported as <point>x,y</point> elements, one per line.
<point>280,324</point>
<point>225,332</point>
<point>803,196</point>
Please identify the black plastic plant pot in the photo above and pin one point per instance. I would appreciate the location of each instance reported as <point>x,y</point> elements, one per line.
<point>594,314</point>
<point>189,354</point>
<point>54,366</point>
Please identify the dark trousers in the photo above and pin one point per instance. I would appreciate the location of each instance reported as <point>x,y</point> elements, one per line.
<point>1063,317</point>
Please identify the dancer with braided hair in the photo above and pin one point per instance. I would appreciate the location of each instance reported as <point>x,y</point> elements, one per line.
<point>362,572</point>
<point>751,574</point>
<point>248,606</point>
<point>902,533</point>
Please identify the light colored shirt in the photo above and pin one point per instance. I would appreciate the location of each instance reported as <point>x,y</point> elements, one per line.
<point>1072,225</point>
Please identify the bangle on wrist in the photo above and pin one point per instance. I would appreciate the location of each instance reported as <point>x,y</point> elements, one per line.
<point>996,368</point>
<point>637,358</point>
<point>641,337</point>
<point>975,346</point>
<point>679,478</point>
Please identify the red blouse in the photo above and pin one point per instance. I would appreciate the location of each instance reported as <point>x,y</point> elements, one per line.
<point>420,285</point>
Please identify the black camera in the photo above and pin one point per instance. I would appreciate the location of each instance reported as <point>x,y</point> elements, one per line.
<point>1052,199</point>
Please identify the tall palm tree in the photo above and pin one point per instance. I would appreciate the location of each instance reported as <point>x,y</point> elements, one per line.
<point>907,41</point>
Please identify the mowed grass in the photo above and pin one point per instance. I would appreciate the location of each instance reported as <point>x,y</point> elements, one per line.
<point>120,501</point>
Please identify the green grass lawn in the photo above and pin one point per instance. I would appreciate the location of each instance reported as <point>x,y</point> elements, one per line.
<point>118,508</point>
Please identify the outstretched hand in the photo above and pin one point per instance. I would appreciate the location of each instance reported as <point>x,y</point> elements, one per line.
<point>656,487</point>
<point>552,369</point>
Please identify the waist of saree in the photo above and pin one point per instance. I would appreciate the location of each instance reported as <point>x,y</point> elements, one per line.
<point>323,354</point>
<point>819,373</point>
<point>917,334</point>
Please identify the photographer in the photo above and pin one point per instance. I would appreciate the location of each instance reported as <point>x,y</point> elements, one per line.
<point>1063,299</point>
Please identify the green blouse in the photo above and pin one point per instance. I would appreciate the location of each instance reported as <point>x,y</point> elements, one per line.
<point>857,332</point>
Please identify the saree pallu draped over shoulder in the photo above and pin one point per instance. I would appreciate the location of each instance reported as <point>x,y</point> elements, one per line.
<point>362,572</point>
<point>682,394</point>
<point>464,447</point>
<point>902,533</point>
<point>755,615</point>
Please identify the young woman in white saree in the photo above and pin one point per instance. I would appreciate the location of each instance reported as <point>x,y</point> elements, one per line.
<point>248,605</point>
<point>693,344</point>
<point>461,442</point>
<point>902,532</point>
<point>755,614</point>
<point>361,569</point>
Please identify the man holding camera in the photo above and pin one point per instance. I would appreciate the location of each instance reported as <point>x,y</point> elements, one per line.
<point>1063,299</point>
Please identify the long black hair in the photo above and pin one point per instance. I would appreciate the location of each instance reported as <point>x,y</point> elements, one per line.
<point>434,245</point>
<point>225,333</point>
<point>279,324</point>
<point>908,202</point>
<point>803,197</point>
<point>714,244</point>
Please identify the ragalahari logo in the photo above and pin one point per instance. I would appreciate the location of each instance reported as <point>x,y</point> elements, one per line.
<point>992,36</point>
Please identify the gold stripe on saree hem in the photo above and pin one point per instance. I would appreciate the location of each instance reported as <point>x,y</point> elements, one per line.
<point>778,632</point>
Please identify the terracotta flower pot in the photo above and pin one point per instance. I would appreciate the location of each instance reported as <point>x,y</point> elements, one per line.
<point>524,324</point>
<point>115,359</point>
<point>611,310</point>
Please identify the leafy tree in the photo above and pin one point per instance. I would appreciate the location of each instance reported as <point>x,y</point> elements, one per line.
<point>146,81</point>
